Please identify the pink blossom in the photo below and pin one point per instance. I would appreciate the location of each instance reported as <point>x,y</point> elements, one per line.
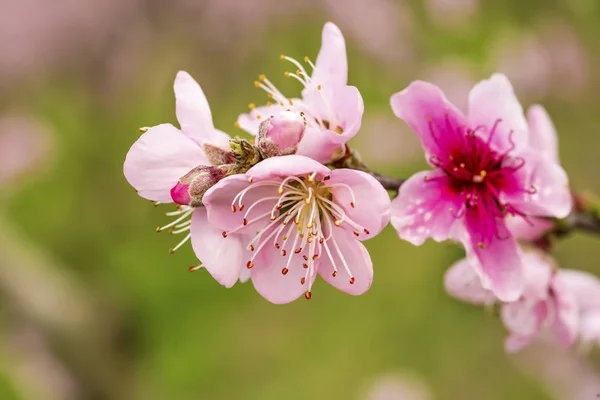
<point>333,110</point>
<point>546,301</point>
<point>486,169</point>
<point>163,157</point>
<point>298,219</point>
<point>586,289</point>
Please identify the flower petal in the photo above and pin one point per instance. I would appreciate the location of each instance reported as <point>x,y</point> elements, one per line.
<point>331,64</point>
<point>530,230</point>
<point>462,282</point>
<point>223,258</point>
<point>525,318</point>
<point>272,284</point>
<point>219,199</point>
<point>342,107</point>
<point>363,200</point>
<point>285,166</point>
<point>423,208</point>
<point>492,100</point>
<point>542,134</point>
<point>585,286</point>
<point>500,264</point>
<point>552,196</point>
<point>434,119</point>
<point>158,159</point>
<point>353,254</point>
<point>515,343</point>
<point>193,111</point>
<point>250,121</point>
<point>590,327</point>
<point>566,320</point>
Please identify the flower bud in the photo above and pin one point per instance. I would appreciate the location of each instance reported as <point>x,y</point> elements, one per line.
<point>280,134</point>
<point>217,155</point>
<point>191,187</point>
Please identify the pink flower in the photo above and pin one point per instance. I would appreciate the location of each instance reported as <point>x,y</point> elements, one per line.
<point>586,289</point>
<point>298,219</point>
<point>546,301</point>
<point>164,157</point>
<point>486,169</point>
<point>332,109</point>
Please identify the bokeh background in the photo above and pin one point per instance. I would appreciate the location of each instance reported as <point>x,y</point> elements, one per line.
<point>92,305</point>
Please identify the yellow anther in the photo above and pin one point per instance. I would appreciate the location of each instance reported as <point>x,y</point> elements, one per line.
<point>237,124</point>
<point>306,59</point>
<point>262,77</point>
<point>256,84</point>
<point>282,57</point>
<point>252,106</point>
<point>319,87</point>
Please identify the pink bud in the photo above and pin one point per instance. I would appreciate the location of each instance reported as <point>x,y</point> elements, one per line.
<point>180,194</point>
<point>280,134</point>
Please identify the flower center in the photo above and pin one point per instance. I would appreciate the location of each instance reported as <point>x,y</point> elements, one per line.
<point>480,174</point>
<point>319,112</point>
<point>302,215</point>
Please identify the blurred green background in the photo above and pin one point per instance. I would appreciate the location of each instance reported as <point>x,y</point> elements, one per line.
<point>94,307</point>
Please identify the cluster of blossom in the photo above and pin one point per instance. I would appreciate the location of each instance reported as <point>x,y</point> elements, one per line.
<point>279,211</point>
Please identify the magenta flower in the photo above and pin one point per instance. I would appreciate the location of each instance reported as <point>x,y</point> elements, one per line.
<point>486,168</point>
<point>164,156</point>
<point>332,109</point>
<point>300,219</point>
<point>547,300</point>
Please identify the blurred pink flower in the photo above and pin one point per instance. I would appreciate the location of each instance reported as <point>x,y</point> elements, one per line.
<point>398,387</point>
<point>165,155</point>
<point>586,289</point>
<point>333,110</point>
<point>546,301</point>
<point>377,26</point>
<point>34,37</point>
<point>24,144</point>
<point>300,219</point>
<point>452,13</point>
<point>526,62</point>
<point>456,78</point>
<point>485,170</point>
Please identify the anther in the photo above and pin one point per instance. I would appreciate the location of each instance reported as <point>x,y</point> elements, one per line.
<point>305,257</point>
<point>224,234</point>
<point>302,280</point>
<point>352,280</point>
<point>258,116</point>
<point>241,207</point>
<point>277,246</point>
<point>286,74</point>
<point>144,129</point>
<point>321,240</point>
<point>252,106</point>
<point>284,271</point>
<point>307,295</point>
<point>282,57</point>
<point>251,248</point>
<point>171,251</point>
<point>334,274</point>
<point>158,229</point>
<point>245,221</point>
<point>319,87</point>
<point>481,246</point>
<point>233,208</point>
<point>352,204</point>
<point>356,233</point>
<point>310,239</point>
<point>237,124</point>
<point>337,222</point>
<point>366,231</point>
<point>250,179</point>
<point>309,225</point>
<point>250,264</point>
<point>305,59</point>
<point>284,237</point>
<point>283,252</point>
<point>315,257</point>
<point>280,190</point>
<point>297,251</point>
<point>262,77</point>
<point>305,266</point>
<point>194,268</point>
<point>256,84</point>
